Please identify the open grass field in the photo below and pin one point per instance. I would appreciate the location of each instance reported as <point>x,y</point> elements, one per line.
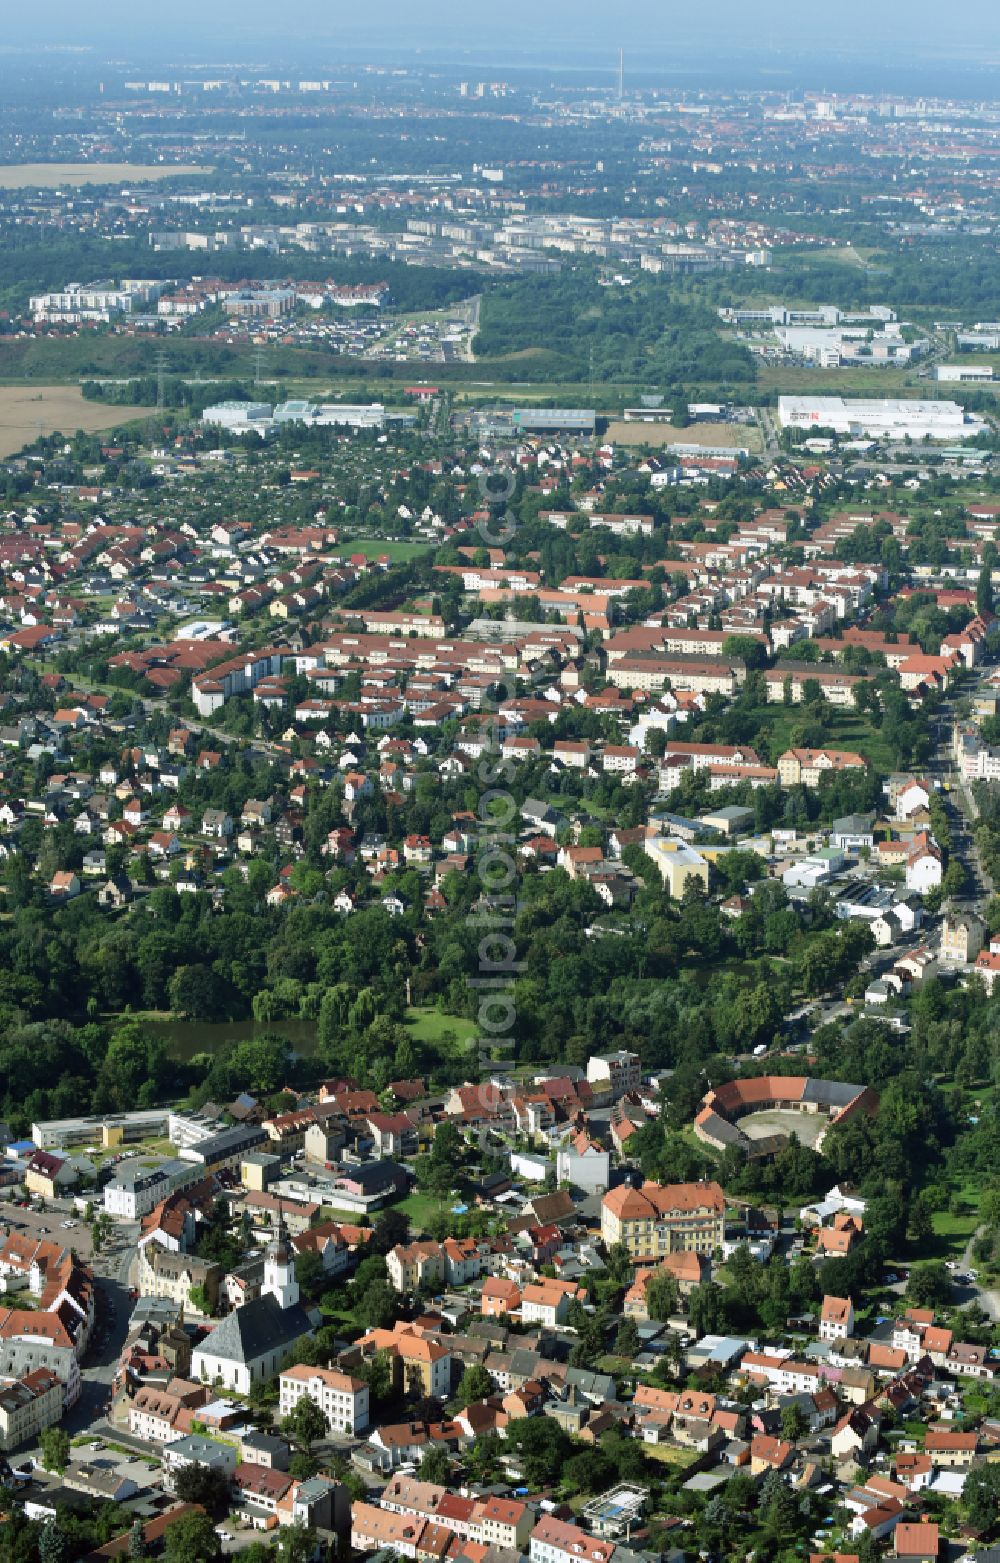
<point>797,379</point>
<point>309,371</point>
<point>844,729</point>
<point>50,176</point>
<point>722,436</point>
<point>430,1028</point>
<point>27,411</point>
<point>398,550</point>
<point>606,398</point>
<point>668,1455</point>
<point>420,1208</point>
<point>955,1226</point>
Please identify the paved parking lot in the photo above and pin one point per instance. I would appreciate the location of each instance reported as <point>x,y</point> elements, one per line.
<point>48,1223</point>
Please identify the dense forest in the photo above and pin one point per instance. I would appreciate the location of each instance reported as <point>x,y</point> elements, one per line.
<point>955,274</point>
<point>569,326</point>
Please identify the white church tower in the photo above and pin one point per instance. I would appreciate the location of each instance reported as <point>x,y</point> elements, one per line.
<point>279,1270</point>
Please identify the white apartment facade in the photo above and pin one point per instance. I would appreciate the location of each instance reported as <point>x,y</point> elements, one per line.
<point>342,1398</point>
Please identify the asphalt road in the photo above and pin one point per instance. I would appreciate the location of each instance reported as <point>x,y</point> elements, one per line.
<point>112,1271</point>
<point>989,1301</point>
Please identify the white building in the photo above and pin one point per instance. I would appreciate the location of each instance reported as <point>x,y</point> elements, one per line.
<point>342,1399</point>
<point>557,1541</point>
<point>252,1342</point>
<point>836,1320</point>
<point>924,870</point>
<point>583,1164</point>
<point>95,301</point>
<point>331,414</point>
<point>882,418</point>
<point>960,372</point>
<point>614,1074</point>
<point>546,1303</point>
<point>239,417</point>
<point>135,1190</point>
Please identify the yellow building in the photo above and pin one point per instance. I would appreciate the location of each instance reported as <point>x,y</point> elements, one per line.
<point>678,863</point>
<point>804,767</point>
<point>257,1169</point>
<point>421,1366</point>
<point>411,1265</point>
<point>49,1175</point>
<point>962,937</point>
<point>664,1218</point>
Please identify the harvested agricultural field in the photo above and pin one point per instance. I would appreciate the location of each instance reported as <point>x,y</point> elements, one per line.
<point>721,436</point>
<point>50,176</point>
<point>29,410</point>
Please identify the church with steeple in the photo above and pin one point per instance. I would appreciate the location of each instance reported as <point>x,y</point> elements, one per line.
<point>279,1271</point>
<point>252,1342</point>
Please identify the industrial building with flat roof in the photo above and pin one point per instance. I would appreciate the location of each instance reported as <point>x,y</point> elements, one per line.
<point>879,418</point>
<point>554,420</point>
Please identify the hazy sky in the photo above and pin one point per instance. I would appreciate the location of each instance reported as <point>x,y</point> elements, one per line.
<point>963,28</point>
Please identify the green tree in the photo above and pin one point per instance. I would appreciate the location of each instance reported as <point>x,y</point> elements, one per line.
<point>475,1385</point>
<point>100,1231</point>
<point>627,1339</point>
<point>192,1539</point>
<point>435,1466</point>
<point>793,1422</point>
<point>389,1228</point>
<point>981,1497</point>
<point>483,1459</point>
<point>305,1424</point>
<point>705,1309</point>
<point>137,1541</point>
<point>984,591</point>
<point>55,1447</point>
<point>921,1223</point>
<point>53,1543</point>
<point>296,1544</point>
<point>662,1296</point>
<point>377,1374</point>
<point>310,1274</point>
<point>376,1308</point>
<point>199,1299</point>
<point>542,1448</point>
<point>205,1485</point>
<point>929,1285</point>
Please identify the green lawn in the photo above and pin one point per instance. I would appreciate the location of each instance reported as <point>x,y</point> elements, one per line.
<point>419,1208</point>
<point>853,379</point>
<point>953,1229</point>
<point>395,549</point>
<point>429,1027</point>
<point>343,1317</point>
<point>668,1455</point>
<point>843,729</point>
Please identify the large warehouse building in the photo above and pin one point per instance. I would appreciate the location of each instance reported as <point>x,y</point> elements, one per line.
<point>879,418</point>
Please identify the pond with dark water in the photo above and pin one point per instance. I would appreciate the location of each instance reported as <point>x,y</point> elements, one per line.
<point>186,1038</point>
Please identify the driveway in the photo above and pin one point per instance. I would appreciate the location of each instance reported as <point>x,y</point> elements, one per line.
<point>988,1300</point>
